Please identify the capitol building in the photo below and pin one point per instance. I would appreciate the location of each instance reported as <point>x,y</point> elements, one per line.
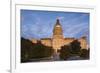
<point>57,40</point>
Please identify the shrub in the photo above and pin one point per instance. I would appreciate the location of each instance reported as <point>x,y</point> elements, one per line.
<point>39,50</point>
<point>65,52</point>
<point>75,47</point>
<point>31,50</point>
<point>26,47</point>
<point>84,53</point>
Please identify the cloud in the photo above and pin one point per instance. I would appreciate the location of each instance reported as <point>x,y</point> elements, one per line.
<point>74,30</point>
<point>40,25</point>
<point>61,17</point>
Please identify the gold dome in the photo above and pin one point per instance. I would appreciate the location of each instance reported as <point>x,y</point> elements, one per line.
<point>58,28</point>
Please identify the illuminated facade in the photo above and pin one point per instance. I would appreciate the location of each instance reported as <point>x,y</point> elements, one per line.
<point>59,40</point>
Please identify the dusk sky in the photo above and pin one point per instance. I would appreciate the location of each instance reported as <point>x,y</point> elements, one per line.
<point>40,24</point>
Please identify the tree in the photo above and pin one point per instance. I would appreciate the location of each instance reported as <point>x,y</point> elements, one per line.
<point>40,51</point>
<point>65,52</point>
<point>31,50</point>
<point>84,54</point>
<point>75,47</point>
<point>26,49</point>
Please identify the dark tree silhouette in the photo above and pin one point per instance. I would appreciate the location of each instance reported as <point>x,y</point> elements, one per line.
<point>75,47</point>
<point>65,52</point>
<point>31,50</point>
<point>70,51</point>
<point>40,50</point>
<point>26,46</point>
<point>84,53</point>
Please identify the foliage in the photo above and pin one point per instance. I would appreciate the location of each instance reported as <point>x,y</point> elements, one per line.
<point>31,50</point>
<point>73,49</point>
<point>84,54</point>
<point>25,49</point>
<point>65,52</point>
<point>39,50</point>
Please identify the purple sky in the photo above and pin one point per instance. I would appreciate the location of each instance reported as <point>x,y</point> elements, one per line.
<point>40,24</point>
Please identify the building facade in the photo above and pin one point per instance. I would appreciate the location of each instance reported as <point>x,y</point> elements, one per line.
<point>59,40</point>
